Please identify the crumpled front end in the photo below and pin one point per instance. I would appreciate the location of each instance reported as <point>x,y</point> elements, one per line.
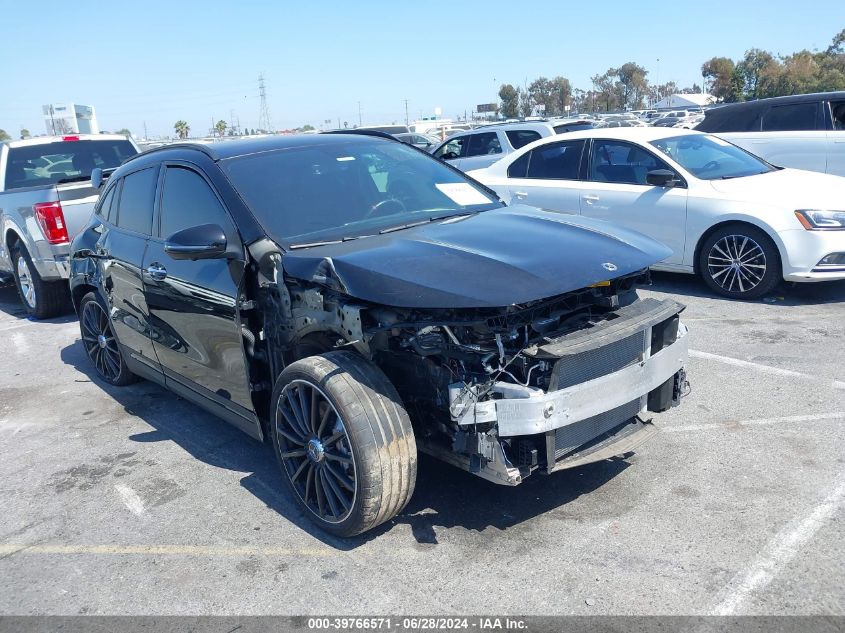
<point>603,382</point>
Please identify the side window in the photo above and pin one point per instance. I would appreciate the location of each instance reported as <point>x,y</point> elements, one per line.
<point>105,205</point>
<point>521,138</point>
<point>455,148</point>
<point>519,167</point>
<point>623,163</point>
<point>792,118</point>
<point>188,201</point>
<point>556,161</point>
<point>837,109</point>
<point>731,119</point>
<point>135,211</point>
<point>483,144</point>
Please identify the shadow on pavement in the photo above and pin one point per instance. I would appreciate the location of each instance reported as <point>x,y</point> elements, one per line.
<point>786,294</point>
<point>10,303</point>
<point>445,497</point>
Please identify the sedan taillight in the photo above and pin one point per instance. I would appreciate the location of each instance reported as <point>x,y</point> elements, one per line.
<point>52,221</point>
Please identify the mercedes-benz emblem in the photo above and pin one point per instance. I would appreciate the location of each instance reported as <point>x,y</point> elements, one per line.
<point>609,266</point>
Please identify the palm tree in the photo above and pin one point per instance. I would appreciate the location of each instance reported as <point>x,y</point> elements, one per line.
<point>182,128</point>
<point>220,126</point>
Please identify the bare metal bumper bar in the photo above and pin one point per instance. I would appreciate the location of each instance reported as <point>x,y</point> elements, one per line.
<point>543,412</point>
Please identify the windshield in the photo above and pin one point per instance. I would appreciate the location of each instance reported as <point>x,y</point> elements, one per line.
<point>710,158</point>
<point>349,189</point>
<point>63,161</point>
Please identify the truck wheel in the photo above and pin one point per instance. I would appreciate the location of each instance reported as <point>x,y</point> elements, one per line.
<point>740,262</point>
<point>100,344</point>
<point>344,442</point>
<point>42,299</point>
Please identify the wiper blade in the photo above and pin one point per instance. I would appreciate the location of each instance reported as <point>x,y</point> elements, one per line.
<point>348,238</point>
<point>433,218</point>
<point>310,244</point>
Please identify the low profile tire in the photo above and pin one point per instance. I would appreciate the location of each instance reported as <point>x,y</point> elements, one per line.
<point>100,344</point>
<point>740,262</point>
<point>42,299</point>
<point>344,442</point>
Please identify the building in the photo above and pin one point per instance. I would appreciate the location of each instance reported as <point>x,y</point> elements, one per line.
<point>694,100</point>
<point>70,118</point>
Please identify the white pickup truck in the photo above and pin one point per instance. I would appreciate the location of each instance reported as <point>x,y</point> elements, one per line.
<point>800,131</point>
<point>45,199</point>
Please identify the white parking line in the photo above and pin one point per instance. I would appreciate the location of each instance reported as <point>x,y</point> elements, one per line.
<point>130,499</point>
<point>779,552</point>
<point>788,419</point>
<point>736,362</point>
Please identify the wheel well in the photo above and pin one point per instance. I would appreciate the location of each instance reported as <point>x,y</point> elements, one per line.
<point>11,239</point>
<point>722,225</point>
<point>79,292</point>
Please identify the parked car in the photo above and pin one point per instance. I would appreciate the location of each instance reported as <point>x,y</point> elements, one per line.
<point>739,222</point>
<point>356,301</point>
<point>423,141</point>
<point>45,199</point>
<point>800,131</point>
<point>483,146</point>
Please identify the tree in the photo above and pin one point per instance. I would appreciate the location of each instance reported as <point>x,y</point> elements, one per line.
<point>220,127</point>
<point>182,128</point>
<point>540,94</point>
<point>307,128</point>
<point>562,93</point>
<point>124,131</point>
<point>510,101</point>
<point>631,84</point>
<point>605,94</point>
<point>759,70</point>
<point>4,136</point>
<point>717,73</point>
<point>25,133</point>
<point>526,104</point>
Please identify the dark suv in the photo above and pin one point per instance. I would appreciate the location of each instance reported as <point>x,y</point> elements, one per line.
<point>355,300</point>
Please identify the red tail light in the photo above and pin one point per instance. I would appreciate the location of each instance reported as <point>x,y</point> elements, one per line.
<point>70,138</point>
<point>52,221</point>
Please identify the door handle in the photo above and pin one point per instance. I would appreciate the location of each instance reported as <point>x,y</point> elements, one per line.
<point>520,194</point>
<point>590,198</point>
<point>157,271</point>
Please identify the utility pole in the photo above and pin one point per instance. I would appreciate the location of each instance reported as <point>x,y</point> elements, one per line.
<point>406,112</point>
<point>359,115</point>
<point>232,121</point>
<point>145,130</point>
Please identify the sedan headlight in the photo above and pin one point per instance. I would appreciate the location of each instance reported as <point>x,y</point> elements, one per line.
<point>821,220</point>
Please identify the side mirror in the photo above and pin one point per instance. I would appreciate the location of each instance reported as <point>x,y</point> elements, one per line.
<point>661,178</point>
<point>97,179</point>
<point>207,241</point>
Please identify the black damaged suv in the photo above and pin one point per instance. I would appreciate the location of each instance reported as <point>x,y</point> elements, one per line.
<point>354,300</point>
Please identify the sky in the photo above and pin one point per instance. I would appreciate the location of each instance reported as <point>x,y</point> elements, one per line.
<point>152,62</point>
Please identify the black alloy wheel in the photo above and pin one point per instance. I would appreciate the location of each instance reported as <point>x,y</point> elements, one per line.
<point>315,451</point>
<point>100,343</point>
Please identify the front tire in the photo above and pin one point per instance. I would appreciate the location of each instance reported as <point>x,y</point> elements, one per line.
<point>42,299</point>
<point>740,262</point>
<point>344,442</point>
<point>100,344</point>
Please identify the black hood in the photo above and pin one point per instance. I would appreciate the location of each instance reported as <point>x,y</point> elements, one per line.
<point>491,259</point>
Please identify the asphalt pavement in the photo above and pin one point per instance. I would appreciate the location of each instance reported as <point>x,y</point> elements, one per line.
<point>133,501</point>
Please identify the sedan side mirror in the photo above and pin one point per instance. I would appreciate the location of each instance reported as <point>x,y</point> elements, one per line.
<point>97,178</point>
<point>661,178</point>
<point>206,241</point>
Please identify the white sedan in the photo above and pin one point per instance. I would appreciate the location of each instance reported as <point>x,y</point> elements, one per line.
<point>736,220</point>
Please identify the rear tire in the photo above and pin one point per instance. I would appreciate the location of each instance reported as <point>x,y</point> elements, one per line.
<point>740,262</point>
<point>100,344</point>
<point>344,442</point>
<point>42,299</point>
